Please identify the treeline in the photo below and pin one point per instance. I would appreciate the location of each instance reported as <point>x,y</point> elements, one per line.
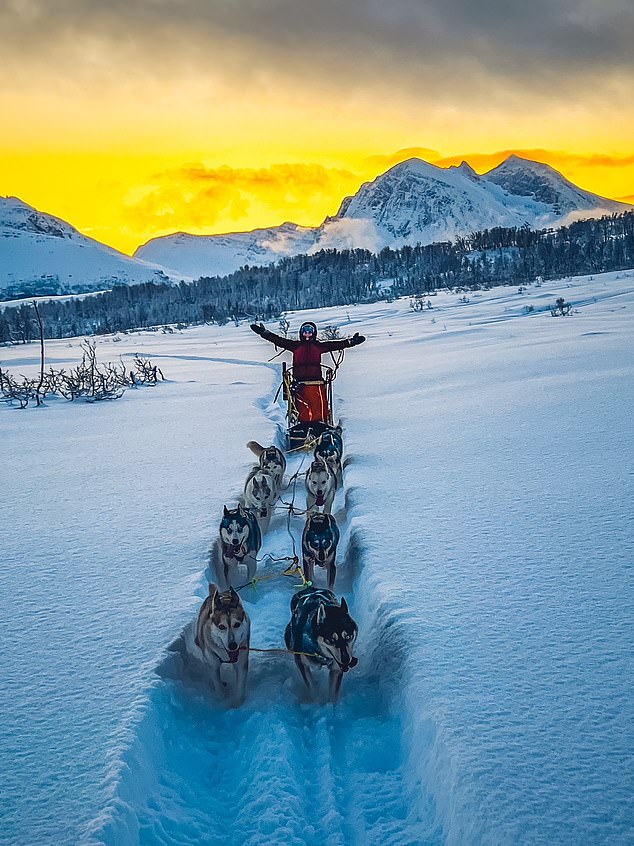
<point>333,277</point>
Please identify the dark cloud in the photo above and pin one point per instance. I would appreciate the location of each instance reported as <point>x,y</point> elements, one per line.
<point>441,43</point>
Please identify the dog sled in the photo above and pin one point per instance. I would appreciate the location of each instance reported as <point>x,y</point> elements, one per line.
<point>308,407</point>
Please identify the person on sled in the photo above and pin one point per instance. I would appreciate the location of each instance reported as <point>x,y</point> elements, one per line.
<point>310,394</point>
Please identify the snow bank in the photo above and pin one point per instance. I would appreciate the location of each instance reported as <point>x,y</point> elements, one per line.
<point>487,551</point>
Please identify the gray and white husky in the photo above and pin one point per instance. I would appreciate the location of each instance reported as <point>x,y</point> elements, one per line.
<point>330,448</point>
<point>260,493</point>
<point>322,630</point>
<point>321,485</point>
<point>240,541</point>
<point>272,460</point>
<point>223,632</point>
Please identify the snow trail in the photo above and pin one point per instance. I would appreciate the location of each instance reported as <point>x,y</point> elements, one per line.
<point>281,769</point>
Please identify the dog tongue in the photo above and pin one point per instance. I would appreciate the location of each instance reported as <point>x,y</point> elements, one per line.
<point>233,655</point>
<point>319,499</point>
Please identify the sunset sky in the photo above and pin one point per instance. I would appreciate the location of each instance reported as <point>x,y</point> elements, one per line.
<point>140,118</point>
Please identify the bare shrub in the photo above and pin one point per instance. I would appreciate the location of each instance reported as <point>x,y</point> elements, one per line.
<point>331,333</point>
<point>90,380</point>
<point>561,308</point>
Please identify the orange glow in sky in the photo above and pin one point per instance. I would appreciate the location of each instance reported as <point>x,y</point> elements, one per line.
<point>222,127</point>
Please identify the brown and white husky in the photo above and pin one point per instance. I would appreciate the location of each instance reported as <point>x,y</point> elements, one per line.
<point>223,632</point>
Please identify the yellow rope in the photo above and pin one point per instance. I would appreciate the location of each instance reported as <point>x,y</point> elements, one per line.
<point>293,569</point>
<point>306,445</point>
<point>292,411</point>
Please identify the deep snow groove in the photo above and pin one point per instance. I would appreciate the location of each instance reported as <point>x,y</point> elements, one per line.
<point>280,770</point>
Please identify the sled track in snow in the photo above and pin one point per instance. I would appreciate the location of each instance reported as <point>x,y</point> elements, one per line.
<point>280,770</point>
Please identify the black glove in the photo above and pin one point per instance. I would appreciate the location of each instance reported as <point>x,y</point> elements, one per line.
<point>356,339</point>
<point>258,328</point>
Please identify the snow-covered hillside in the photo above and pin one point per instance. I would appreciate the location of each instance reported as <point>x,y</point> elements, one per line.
<point>40,253</point>
<point>194,255</point>
<point>413,202</point>
<point>487,551</point>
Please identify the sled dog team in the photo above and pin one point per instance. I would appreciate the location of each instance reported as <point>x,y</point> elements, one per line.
<point>321,632</point>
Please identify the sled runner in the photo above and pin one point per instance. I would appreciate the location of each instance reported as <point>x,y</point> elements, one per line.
<point>308,407</point>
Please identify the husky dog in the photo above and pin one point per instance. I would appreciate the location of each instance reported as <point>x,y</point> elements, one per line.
<point>272,460</point>
<point>223,632</point>
<point>322,628</point>
<point>319,546</point>
<point>330,448</point>
<point>260,493</point>
<point>240,540</point>
<point>321,484</point>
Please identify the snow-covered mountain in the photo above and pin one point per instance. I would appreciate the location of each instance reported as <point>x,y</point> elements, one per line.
<point>413,202</point>
<point>417,202</point>
<point>210,255</point>
<point>41,254</point>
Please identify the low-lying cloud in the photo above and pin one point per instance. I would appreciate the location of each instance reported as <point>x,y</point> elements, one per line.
<point>206,200</point>
<point>349,234</point>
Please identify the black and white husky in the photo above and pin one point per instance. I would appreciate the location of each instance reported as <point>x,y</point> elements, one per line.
<point>272,460</point>
<point>260,493</point>
<point>324,632</point>
<point>223,632</point>
<point>321,485</point>
<point>330,448</point>
<point>240,541</point>
<point>319,546</point>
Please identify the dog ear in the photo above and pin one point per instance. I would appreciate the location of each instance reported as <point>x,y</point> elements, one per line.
<point>213,589</point>
<point>344,605</point>
<point>321,614</point>
<point>226,511</point>
<point>240,509</point>
<point>234,594</point>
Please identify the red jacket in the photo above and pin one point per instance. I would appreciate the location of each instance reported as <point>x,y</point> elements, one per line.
<point>306,354</point>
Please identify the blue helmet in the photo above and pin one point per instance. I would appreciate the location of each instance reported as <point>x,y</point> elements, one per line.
<point>307,331</point>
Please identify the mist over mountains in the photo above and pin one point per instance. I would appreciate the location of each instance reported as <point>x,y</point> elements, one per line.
<point>412,203</point>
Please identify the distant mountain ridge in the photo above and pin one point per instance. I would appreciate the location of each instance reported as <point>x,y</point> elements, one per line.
<point>412,202</point>
<point>43,254</point>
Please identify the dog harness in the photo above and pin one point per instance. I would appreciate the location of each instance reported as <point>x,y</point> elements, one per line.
<point>300,633</point>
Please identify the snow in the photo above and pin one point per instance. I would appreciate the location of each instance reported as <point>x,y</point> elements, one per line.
<point>37,248</point>
<point>211,255</point>
<point>487,548</point>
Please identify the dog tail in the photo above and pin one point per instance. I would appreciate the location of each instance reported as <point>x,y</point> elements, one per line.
<point>255,448</point>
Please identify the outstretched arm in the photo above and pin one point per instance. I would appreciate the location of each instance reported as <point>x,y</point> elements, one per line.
<point>330,346</point>
<point>278,340</point>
